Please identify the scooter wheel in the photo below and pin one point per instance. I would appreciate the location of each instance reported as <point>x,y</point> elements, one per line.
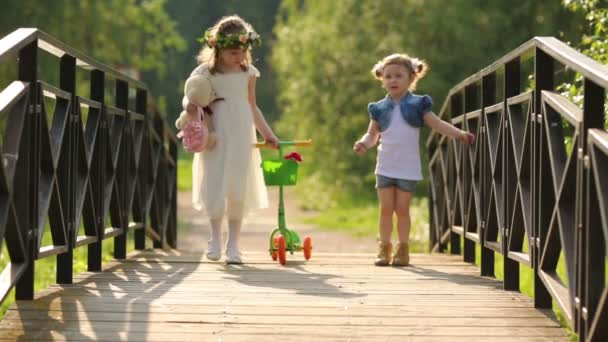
<point>275,244</point>
<point>282,249</point>
<point>307,247</point>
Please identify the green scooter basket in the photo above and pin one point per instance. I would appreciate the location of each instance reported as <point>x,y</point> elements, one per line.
<point>280,171</point>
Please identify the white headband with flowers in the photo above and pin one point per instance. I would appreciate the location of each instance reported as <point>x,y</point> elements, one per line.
<point>220,41</point>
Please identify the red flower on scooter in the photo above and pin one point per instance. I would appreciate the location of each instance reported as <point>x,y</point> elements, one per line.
<point>294,156</point>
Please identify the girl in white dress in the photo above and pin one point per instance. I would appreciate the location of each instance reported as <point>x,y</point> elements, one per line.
<point>228,179</point>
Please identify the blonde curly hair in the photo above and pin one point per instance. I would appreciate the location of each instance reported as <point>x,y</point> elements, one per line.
<point>225,26</point>
<point>415,66</point>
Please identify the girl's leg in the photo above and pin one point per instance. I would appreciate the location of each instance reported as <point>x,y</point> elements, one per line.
<point>214,245</point>
<point>233,254</point>
<point>236,212</point>
<point>402,209</point>
<point>386,198</point>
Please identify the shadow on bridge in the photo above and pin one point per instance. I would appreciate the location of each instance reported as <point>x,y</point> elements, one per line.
<point>291,278</point>
<point>116,305</point>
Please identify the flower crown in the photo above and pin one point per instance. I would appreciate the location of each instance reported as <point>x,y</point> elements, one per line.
<point>220,41</point>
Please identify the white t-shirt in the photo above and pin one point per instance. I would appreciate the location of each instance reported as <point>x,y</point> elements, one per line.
<point>399,150</point>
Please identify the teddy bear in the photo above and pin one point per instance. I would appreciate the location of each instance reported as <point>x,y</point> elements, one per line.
<point>197,130</point>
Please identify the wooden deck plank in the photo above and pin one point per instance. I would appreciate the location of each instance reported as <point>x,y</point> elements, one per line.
<point>309,301</point>
<point>326,310</point>
<point>268,333</point>
<point>159,296</point>
<point>371,329</point>
<point>280,316</point>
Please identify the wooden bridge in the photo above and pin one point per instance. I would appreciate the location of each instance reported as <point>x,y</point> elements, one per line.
<point>334,297</point>
<point>102,164</point>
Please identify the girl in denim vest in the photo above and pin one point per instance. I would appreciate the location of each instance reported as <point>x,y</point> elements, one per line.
<point>395,121</point>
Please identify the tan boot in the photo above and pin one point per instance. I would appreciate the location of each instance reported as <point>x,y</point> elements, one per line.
<point>384,254</point>
<point>402,255</point>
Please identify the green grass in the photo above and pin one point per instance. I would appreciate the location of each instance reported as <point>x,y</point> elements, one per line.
<point>45,269</point>
<point>184,171</point>
<point>362,220</point>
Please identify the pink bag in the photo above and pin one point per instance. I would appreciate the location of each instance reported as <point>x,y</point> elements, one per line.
<point>195,133</point>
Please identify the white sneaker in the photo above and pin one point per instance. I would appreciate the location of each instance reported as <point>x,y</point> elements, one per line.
<point>233,256</point>
<point>214,251</point>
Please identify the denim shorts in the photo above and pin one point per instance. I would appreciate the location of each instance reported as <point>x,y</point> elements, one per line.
<point>403,184</point>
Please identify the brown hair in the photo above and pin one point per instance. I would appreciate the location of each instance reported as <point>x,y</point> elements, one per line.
<point>415,66</point>
<point>226,25</point>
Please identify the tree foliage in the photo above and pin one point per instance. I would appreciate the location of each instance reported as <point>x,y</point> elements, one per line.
<point>324,52</point>
<point>593,43</point>
<point>155,37</point>
<point>127,33</point>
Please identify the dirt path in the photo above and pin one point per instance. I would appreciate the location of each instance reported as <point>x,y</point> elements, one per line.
<point>194,226</point>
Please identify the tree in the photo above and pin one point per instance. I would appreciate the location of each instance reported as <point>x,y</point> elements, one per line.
<point>121,33</point>
<point>594,43</point>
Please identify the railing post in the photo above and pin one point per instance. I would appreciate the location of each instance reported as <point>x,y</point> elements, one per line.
<point>590,245</point>
<point>488,98</point>
<point>471,102</point>
<point>122,102</point>
<point>97,172</point>
<point>511,88</point>
<point>456,109</point>
<point>159,186</point>
<point>28,72</point>
<point>172,229</point>
<point>432,148</point>
<point>141,101</point>
<point>541,189</point>
<point>67,82</point>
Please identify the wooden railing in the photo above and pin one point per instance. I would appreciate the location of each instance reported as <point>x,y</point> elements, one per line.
<point>109,167</point>
<point>533,186</point>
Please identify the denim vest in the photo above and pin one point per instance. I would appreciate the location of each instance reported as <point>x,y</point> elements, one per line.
<point>413,107</point>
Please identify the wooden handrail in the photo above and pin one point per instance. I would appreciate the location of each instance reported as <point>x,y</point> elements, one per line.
<point>563,53</point>
<point>12,93</point>
<point>11,44</point>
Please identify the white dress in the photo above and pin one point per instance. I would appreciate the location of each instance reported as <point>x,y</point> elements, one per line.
<point>228,178</point>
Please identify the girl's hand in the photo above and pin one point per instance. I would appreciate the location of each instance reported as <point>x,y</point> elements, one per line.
<point>359,148</point>
<point>272,141</point>
<point>191,108</point>
<point>466,137</point>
